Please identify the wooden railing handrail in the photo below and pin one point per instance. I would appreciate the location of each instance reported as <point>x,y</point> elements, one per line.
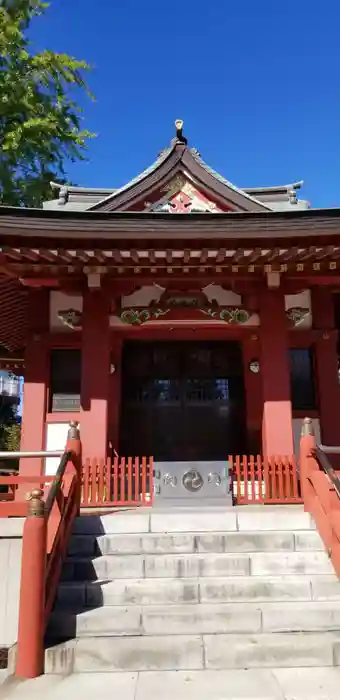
<point>56,483</point>
<point>321,455</point>
<point>19,454</point>
<point>47,529</point>
<point>18,480</point>
<point>321,490</point>
<point>329,449</point>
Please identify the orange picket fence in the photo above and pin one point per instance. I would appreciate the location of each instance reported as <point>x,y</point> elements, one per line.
<point>128,481</point>
<point>123,481</point>
<point>255,479</point>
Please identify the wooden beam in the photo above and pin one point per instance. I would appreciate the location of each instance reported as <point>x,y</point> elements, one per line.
<point>325,252</point>
<point>288,255</point>
<point>220,257</point>
<point>134,256</point>
<point>254,256</point>
<point>306,254</point>
<point>50,256</point>
<point>204,256</point>
<point>11,253</point>
<point>317,280</point>
<point>238,256</point>
<point>335,255</point>
<point>271,256</point>
<point>4,268</point>
<point>30,254</point>
<point>66,255</point>
<point>82,256</point>
<point>37,282</point>
<point>168,256</point>
<point>117,256</point>
<point>100,256</point>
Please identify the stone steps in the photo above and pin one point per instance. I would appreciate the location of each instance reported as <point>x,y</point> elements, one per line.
<point>252,684</point>
<point>202,618</point>
<point>190,543</point>
<point>178,520</point>
<point>211,590</point>
<point>194,652</point>
<point>196,565</point>
<point>190,590</point>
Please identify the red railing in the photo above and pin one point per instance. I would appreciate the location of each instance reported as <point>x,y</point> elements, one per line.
<point>48,526</point>
<point>264,480</point>
<point>46,533</point>
<point>9,505</point>
<point>123,481</point>
<point>321,490</point>
<point>7,490</point>
<point>128,481</point>
<point>118,482</point>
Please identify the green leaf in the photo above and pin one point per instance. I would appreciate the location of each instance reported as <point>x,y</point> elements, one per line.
<point>40,122</point>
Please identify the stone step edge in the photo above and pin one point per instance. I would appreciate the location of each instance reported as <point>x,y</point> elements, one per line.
<point>161,522</point>
<point>67,650</point>
<point>225,530</point>
<point>334,604</point>
<point>192,555</point>
<point>191,533</point>
<point>195,543</point>
<point>332,636</point>
<point>62,615</point>
<point>261,578</point>
<point>308,591</point>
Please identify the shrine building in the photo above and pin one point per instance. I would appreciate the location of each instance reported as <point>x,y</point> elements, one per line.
<point>179,317</point>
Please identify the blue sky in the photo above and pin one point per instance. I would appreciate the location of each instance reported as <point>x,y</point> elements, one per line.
<point>256,82</point>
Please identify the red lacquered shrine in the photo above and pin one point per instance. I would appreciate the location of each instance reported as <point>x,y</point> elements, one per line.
<point>178,316</point>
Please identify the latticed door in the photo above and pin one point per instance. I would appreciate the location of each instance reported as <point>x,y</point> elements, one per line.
<point>182,400</point>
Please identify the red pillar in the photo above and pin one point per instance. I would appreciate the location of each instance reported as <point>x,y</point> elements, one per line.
<point>115,391</point>
<point>253,389</point>
<point>31,627</point>
<point>36,381</point>
<point>277,426</point>
<point>326,361</point>
<point>95,374</point>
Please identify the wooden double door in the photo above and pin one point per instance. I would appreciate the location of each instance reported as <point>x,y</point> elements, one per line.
<point>182,400</point>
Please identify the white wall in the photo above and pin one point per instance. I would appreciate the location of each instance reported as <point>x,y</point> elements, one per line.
<point>303,301</point>
<point>10,572</point>
<point>59,301</point>
<point>56,436</point>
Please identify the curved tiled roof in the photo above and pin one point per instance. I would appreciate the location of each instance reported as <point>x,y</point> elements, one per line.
<point>178,157</point>
<point>160,159</point>
<point>222,179</point>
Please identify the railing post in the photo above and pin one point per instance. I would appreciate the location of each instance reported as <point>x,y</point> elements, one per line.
<point>73,445</point>
<point>307,449</point>
<point>31,629</point>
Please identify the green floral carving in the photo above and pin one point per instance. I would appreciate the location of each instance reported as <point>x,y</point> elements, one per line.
<point>231,315</point>
<point>136,317</point>
<point>237,316</point>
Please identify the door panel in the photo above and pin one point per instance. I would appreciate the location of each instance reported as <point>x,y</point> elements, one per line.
<point>182,401</point>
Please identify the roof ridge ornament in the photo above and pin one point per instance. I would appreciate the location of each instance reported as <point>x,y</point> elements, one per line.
<point>195,152</point>
<point>179,138</point>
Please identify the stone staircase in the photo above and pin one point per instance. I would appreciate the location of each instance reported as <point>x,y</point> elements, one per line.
<point>197,591</point>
